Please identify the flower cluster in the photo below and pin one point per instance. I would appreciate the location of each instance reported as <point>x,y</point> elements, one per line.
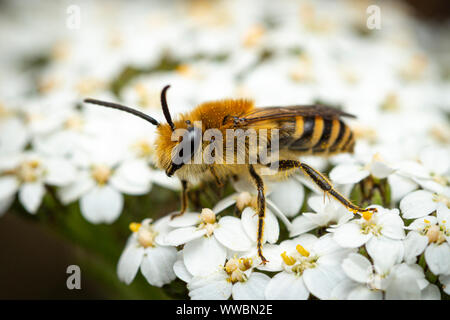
<point>282,53</point>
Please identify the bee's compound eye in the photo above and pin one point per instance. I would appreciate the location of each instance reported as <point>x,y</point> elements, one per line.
<point>185,150</point>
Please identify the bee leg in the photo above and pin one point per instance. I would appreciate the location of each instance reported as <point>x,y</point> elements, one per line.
<point>184,200</point>
<point>323,183</point>
<point>261,211</point>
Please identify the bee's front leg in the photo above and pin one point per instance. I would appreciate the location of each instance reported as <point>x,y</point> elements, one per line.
<point>184,200</point>
<point>261,211</point>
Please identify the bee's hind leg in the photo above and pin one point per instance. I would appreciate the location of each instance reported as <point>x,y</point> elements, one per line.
<point>184,200</point>
<point>261,211</point>
<point>323,183</point>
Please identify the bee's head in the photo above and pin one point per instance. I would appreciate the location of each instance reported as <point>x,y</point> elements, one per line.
<point>175,145</point>
<point>178,147</point>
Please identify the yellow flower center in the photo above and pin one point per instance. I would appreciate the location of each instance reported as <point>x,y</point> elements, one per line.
<point>245,199</point>
<point>101,173</point>
<point>235,268</point>
<point>287,259</point>
<point>302,250</point>
<point>145,233</point>
<point>143,148</point>
<point>29,171</point>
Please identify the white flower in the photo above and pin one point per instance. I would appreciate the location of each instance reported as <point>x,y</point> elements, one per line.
<point>390,281</point>
<point>431,172</point>
<point>237,279</point>
<point>382,225</point>
<point>421,203</point>
<point>28,173</point>
<point>143,252</point>
<point>309,265</point>
<point>206,240</point>
<point>360,167</point>
<point>430,234</point>
<point>329,212</point>
<point>99,185</point>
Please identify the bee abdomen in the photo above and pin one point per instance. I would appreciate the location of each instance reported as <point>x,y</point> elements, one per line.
<point>318,135</point>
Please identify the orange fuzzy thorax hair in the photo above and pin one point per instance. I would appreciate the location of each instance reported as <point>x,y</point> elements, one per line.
<point>211,114</point>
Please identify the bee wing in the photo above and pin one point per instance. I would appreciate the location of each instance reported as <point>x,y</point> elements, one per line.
<point>274,113</point>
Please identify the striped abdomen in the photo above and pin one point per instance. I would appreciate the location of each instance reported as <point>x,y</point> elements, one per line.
<point>317,135</point>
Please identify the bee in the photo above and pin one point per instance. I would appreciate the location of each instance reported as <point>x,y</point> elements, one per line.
<point>302,130</point>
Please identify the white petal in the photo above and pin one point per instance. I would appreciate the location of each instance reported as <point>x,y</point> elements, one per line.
<point>273,208</point>
<point>203,256</point>
<point>252,289</point>
<point>431,292</point>
<point>127,187</point>
<point>30,195</point>
<point>301,225</point>
<point>417,204</point>
<point>101,204</point>
<point>180,270</point>
<point>400,186</point>
<point>5,204</point>
<point>349,235</point>
<point>231,234</point>
<point>14,135</point>
<point>288,197</point>
<point>161,179</point>
<point>183,235</point>
<point>272,253</point>
<point>392,226</point>
<point>185,220</point>
<point>250,223</point>
<point>403,288</point>
<point>225,203</point>
<point>380,169</point>
<point>385,252</point>
<point>362,292</point>
<point>321,280</point>
<point>445,281</point>
<point>348,173</point>
<point>343,289</point>
<point>60,172</point>
<point>8,186</point>
<point>434,159</point>
<point>438,258</point>
<point>286,286</point>
<point>157,265</point>
<point>213,286</point>
<point>414,244</point>
<point>132,177</point>
<point>357,267</point>
<point>75,190</point>
<point>129,262</point>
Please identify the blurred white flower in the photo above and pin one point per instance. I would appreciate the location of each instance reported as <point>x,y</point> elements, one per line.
<point>143,252</point>
<point>100,182</point>
<point>27,174</point>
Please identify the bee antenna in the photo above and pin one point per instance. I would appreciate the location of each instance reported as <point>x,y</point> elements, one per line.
<point>123,108</point>
<point>166,108</point>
